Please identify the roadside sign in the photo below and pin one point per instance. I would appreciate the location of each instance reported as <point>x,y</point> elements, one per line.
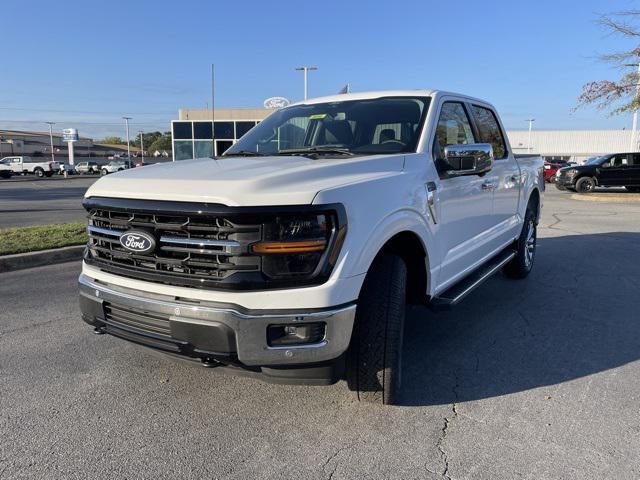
<point>70,135</point>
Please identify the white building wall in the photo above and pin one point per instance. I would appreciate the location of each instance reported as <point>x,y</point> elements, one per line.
<point>577,144</point>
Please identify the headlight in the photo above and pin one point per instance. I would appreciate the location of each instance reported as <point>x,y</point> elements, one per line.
<point>571,172</point>
<point>300,245</point>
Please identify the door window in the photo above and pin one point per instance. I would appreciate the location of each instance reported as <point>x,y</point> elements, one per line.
<point>489,130</point>
<point>618,161</point>
<point>454,127</point>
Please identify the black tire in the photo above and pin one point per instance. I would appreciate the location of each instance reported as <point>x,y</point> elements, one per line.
<point>39,172</point>
<point>104,171</point>
<point>520,266</point>
<point>585,185</point>
<point>374,360</point>
<point>5,174</point>
<point>633,189</point>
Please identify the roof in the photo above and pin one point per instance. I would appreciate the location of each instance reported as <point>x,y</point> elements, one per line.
<point>341,97</point>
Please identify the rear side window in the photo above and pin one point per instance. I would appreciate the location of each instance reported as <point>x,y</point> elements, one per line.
<point>489,130</point>
<point>454,127</point>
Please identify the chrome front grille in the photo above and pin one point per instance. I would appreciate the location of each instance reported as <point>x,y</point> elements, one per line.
<point>191,250</point>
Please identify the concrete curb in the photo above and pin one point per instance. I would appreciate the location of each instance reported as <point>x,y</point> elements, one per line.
<point>607,197</point>
<point>20,261</point>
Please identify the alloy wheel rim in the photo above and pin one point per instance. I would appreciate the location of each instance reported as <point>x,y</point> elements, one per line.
<point>530,245</point>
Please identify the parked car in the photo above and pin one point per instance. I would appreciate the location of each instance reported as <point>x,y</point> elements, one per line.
<point>70,169</point>
<point>24,165</point>
<point>293,256</point>
<point>115,166</point>
<point>84,168</point>
<point>615,170</point>
<point>5,171</point>
<point>550,170</point>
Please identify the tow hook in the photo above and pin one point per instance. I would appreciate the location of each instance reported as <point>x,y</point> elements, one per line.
<point>99,331</point>
<point>210,362</point>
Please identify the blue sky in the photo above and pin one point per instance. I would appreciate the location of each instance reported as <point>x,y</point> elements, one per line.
<point>85,64</point>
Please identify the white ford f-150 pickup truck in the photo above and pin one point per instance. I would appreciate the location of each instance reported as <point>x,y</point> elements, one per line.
<point>24,165</point>
<point>293,255</point>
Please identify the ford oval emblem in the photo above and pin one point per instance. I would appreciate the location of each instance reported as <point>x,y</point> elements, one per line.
<point>138,242</point>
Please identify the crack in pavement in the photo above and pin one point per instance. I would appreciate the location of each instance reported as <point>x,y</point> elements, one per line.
<point>334,455</point>
<point>445,430</point>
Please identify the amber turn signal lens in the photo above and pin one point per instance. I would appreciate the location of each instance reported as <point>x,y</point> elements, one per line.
<point>305,246</point>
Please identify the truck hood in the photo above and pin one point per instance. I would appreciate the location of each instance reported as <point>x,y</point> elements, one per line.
<point>244,181</point>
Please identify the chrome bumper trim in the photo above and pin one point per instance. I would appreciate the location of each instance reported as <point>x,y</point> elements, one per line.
<point>250,329</point>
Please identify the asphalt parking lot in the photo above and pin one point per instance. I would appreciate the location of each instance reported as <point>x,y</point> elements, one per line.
<point>534,379</point>
<point>27,200</point>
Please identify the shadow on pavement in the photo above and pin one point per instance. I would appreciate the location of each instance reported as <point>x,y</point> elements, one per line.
<point>577,314</point>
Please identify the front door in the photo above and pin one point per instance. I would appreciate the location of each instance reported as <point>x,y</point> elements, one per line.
<point>633,171</point>
<point>465,203</point>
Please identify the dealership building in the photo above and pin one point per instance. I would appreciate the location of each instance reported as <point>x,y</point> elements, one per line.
<point>196,135</point>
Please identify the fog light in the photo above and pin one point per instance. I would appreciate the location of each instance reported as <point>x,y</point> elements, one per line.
<point>301,334</point>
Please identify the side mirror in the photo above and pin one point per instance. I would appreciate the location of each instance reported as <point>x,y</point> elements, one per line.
<point>472,159</point>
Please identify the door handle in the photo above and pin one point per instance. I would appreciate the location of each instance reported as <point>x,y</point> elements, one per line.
<point>431,188</point>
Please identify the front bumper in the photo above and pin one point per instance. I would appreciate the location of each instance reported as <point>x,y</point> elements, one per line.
<point>209,332</point>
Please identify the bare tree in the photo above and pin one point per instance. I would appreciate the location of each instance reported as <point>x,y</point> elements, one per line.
<point>617,96</point>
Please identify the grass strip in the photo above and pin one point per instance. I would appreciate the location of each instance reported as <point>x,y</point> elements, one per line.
<point>41,237</point>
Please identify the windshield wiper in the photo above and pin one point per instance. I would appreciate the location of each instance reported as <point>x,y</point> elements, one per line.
<point>244,153</point>
<point>316,150</point>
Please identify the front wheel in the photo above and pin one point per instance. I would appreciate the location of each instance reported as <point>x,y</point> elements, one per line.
<point>104,172</point>
<point>374,360</point>
<point>520,266</point>
<point>585,185</point>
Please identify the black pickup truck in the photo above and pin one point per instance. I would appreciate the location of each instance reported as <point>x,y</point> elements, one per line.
<point>615,170</point>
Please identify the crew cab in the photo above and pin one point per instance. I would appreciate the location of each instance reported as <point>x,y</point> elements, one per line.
<point>615,170</point>
<point>24,165</point>
<point>292,256</point>
<point>90,168</point>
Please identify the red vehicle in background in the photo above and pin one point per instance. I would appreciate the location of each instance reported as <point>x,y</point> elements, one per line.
<point>550,170</point>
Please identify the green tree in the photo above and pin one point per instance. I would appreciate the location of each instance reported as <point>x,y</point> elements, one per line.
<point>617,96</point>
<point>113,141</point>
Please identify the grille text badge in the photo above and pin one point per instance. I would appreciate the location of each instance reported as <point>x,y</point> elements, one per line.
<point>138,242</point>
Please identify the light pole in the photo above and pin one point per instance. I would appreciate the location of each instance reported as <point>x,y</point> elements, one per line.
<point>141,145</point>
<point>530,120</point>
<point>306,70</point>
<point>126,122</point>
<point>635,110</point>
<point>51,124</point>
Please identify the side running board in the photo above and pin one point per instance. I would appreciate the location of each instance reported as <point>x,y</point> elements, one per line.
<point>457,292</point>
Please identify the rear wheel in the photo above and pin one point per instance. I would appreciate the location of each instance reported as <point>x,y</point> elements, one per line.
<point>585,185</point>
<point>39,172</point>
<point>520,266</point>
<point>374,360</point>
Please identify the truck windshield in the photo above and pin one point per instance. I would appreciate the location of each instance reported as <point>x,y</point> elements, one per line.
<point>596,160</point>
<point>351,127</point>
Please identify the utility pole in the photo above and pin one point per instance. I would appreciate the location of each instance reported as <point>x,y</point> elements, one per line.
<point>530,120</point>
<point>51,124</point>
<point>126,122</point>
<point>213,109</point>
<point>141,145</point>
<point>634,147</point>
<point>306,70</point>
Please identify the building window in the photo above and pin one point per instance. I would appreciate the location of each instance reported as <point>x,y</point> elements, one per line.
<point>243,127</point>
<point>183,150</point>
<point>222,146</point>
<point>202,130</point>
<point>223,130</point>
<point>182,130</point>
<point>203,149</point>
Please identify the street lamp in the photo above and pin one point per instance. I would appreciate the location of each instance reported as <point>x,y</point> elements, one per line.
<point>126,122</point>
<point>530,120</point>
<point>141,145</point>
<point>51,124</point>
<point>635,110</point>
<point>306,70</point>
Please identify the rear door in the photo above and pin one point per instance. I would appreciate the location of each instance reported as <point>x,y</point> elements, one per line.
<point>16,164</point>
<point>504,177</point>
<point>465,204</point>
<point>615,173</point>
<point>633,171</point>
